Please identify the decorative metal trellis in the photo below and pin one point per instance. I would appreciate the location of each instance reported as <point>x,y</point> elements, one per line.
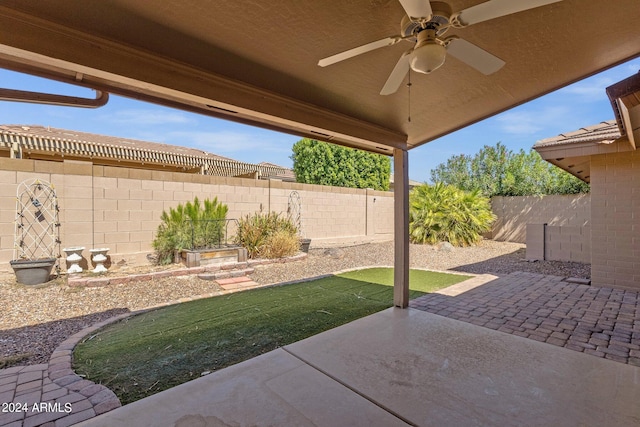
<point>294,210</point>
<point>37,226</point>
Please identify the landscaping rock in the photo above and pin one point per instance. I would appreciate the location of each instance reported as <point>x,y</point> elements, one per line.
<point>335,253</point>
<point>444,247</point>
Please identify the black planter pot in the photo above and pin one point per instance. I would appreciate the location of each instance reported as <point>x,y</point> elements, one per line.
<point>32,272</point>
<point>304,245</point>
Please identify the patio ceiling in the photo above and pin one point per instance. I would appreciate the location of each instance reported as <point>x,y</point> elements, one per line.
<point>256,62</point>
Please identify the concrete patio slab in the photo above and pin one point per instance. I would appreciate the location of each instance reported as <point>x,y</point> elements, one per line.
<point>399,365</point>
<point>436,371</point>
<point>275,389</point>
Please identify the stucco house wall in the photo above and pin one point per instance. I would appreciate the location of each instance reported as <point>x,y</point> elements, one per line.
<point>615,220</point>
<point>606,156</point>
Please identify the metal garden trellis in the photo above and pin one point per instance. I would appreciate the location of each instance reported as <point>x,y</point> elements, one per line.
<point>37,228</point>
<point>294,211</point>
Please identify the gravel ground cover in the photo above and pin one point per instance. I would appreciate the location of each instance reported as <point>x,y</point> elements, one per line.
<point>498,258</point>
<point>34,320</point>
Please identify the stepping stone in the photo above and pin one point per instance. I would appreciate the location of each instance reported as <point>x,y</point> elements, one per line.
<point>232,280</point>
<point>223,275</point>
<point>243,285</point>
<point>207,276</point>
<point>235,283</point>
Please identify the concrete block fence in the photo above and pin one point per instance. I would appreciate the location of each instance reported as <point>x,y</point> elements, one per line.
<point>514,213</point>
<point>120,208</point>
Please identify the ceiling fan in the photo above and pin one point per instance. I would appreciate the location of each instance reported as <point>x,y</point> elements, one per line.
<point>425,24</point>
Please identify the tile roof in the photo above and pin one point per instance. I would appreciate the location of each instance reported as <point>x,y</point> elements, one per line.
<point>286,175</point>
<point>83,144</point>
<point>604,132</point>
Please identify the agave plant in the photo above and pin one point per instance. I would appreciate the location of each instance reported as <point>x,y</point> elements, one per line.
<point>445,213</point>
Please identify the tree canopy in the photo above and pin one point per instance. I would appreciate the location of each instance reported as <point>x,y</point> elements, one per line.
<point>317,162</point>
<point>497,171</point>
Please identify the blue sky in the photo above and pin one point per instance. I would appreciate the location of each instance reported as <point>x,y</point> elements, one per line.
<point>582,104</point>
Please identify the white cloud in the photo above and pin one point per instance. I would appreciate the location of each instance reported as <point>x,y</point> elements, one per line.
<point>532,121</point>
<point>592,89</point>
<point>146,117</point>
<point>631,67</point>
<point>230,141</point>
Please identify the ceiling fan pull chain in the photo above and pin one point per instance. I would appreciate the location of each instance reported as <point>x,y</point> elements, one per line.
<point>409,97</point>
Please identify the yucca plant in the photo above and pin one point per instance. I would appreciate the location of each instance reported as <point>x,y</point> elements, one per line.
<point>255,231</point>
<point>444,213</point>
<point>192,226</point>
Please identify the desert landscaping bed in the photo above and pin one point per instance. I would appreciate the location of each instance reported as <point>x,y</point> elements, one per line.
<point>34,321</point>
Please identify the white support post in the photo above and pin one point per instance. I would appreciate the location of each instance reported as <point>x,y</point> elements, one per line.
<point>401,228</point>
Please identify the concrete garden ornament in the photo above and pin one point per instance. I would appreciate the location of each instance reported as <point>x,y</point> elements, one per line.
<point>99,257</point>
<point>74,257</point>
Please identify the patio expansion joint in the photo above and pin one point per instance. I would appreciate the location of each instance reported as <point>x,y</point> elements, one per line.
<point>354,390</point>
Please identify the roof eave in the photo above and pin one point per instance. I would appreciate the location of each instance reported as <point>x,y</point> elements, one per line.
<point>625,102</point>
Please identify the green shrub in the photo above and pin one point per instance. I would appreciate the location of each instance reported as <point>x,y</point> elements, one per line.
<point>266,235</point>
<point>280,244</point>
<point>192,226</point>
<point>444,213</point>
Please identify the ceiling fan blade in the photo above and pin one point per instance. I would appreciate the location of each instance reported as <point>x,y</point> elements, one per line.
<point>417,8</point>
<point>474,56</point>
<point>497,8</point>
<point>389,41</point>
<point>397,75</point>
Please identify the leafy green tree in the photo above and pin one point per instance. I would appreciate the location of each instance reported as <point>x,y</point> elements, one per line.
<point>497,171</point>
<point>317,162</point>
<point>444,213</point>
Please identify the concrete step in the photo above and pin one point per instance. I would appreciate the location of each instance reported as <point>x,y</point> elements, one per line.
<point>225,274</point>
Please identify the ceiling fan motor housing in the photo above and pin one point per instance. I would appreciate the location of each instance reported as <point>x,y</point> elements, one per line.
<point>440,17</point>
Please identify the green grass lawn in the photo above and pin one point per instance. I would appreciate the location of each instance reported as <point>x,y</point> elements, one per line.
<point>150,352</point>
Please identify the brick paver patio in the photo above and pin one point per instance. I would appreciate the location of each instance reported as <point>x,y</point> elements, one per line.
<point>602,322</point>
<point>51,394</point>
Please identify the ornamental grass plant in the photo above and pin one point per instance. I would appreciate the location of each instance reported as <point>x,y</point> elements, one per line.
<point>267,235</point>
<point>190,226</point>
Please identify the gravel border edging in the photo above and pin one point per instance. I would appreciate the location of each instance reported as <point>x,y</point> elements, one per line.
<point>219,271</point>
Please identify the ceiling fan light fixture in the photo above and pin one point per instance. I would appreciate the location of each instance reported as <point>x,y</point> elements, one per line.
<point>428,58</point>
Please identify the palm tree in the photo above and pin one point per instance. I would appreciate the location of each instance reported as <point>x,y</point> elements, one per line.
<point>445,213</point>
